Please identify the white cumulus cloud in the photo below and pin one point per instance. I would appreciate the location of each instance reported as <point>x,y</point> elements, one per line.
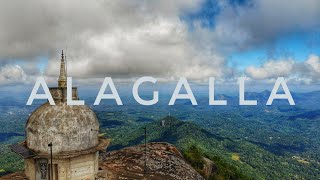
<point>128,39</point>
<point>10,74</point>
<point>307,71</point>
<point>271,69</point>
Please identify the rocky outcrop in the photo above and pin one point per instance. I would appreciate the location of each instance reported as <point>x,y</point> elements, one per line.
<point>15,176</point>
<point>208,167</point>
<point>163,161</point>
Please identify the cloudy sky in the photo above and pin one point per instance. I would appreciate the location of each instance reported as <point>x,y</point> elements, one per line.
<point>259,39</point>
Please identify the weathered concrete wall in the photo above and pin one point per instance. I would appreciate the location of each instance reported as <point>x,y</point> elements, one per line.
<point>69,128</point>
<point>84,167</point>
<point>30,169</point>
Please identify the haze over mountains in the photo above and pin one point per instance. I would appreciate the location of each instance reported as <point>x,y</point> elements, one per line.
<point>254,141</point>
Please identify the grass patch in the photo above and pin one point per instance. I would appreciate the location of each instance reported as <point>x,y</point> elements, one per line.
<point>235,156</point>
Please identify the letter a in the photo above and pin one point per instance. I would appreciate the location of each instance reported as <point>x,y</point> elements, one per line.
<point>286,95</point>
<point>177,95</point>
<point>108,81</point>
<point>46,95</point>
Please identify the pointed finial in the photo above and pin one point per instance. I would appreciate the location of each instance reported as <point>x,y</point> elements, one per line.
<point>62,81</point>
<point>62,56</point>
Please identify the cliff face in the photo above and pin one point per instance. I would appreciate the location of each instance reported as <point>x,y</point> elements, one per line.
<point>164,161</point>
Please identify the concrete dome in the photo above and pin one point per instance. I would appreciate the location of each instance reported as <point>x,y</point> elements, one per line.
<point>69,128</point>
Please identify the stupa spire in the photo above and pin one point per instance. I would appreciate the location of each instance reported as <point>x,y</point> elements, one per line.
<point>62,81</point>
